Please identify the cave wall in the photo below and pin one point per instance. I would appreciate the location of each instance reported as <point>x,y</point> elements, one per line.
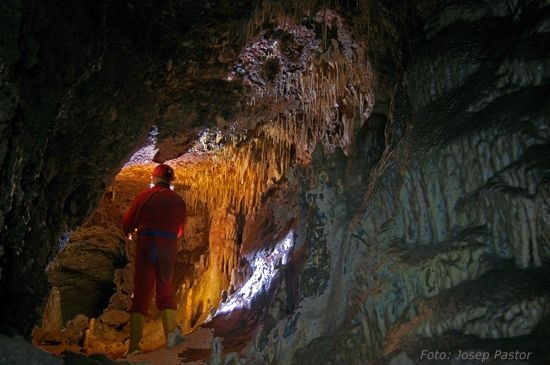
<point>455,209</point>
<point>70,72</point>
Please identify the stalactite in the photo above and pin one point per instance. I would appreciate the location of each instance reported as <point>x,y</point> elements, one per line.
<point>330,98</point>
<point>286,14</point>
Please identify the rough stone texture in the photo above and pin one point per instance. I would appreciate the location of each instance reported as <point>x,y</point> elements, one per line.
<point>85,269</point>
<point>71,73</point>
<point>403,201</point>
<point>89,72</point>
<point>16,351</point>
<point>476,188</point>
<point>76,327</point>
<point>464,188</point>
<point>87,261</point>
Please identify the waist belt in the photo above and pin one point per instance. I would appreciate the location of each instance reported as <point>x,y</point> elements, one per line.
<point>156,233</point>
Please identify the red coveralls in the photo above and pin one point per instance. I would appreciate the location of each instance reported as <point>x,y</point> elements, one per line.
<point>159,216</point>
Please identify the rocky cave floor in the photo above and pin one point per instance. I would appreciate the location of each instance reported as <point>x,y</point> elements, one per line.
<point>233,331</point>
<point>231,335</point>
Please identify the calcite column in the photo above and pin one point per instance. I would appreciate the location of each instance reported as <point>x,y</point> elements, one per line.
<point>222,252</point>
<point>200,297</point>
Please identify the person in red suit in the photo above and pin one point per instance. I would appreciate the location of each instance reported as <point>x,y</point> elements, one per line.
<point>158,215</point>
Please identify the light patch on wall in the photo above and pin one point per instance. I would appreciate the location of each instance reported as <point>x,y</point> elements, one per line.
<point>147,152</point>
<point>63,241</point>
<point>265,267</point>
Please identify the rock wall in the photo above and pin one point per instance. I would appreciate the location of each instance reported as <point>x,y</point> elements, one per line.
<point>85,266</point>
<point>69,73</point>
<point>456,206</point>
<point>81,86</point>
<point>202,290</point>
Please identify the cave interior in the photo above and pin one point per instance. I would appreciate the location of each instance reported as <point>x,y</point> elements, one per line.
<point>367,182</point>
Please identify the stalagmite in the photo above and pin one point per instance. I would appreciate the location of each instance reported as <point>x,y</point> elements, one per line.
<point>52,320</point>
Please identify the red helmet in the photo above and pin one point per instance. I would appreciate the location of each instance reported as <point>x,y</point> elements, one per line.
<point>164,171</point>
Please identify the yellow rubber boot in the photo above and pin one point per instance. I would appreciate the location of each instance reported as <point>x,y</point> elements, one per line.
<point>137,321</point>
<point>171,330</point>
<point>168,317</point>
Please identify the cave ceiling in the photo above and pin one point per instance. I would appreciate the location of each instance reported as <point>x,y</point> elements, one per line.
<point>266,78</point>
<point>253,97</point>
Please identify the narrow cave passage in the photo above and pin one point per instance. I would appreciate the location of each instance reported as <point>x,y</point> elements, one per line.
<point>226,260</point>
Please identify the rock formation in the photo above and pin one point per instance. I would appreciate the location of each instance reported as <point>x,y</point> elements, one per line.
<point>401,147</point>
